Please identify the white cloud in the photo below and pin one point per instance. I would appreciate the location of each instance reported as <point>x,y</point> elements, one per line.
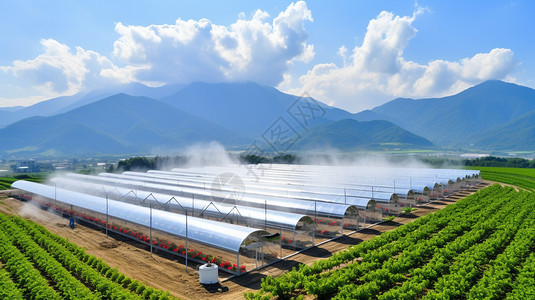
<point>60,71</point>
<point>377,71</point>
<point>256,48</point>
<point>249,49</point>
<point>252,49</point>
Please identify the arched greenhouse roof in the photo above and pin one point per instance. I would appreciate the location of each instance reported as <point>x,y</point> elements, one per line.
<point>215,234</point>
<point>273,219</point>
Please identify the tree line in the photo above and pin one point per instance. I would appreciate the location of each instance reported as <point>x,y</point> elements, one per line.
<point>493,161</point>
<point>142,163</point>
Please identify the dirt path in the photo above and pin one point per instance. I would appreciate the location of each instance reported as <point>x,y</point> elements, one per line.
<point>168,273</point>
<point>504,184</point>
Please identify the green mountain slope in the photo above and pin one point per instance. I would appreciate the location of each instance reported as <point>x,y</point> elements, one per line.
<point>518,134</point>
<point>450,121</point>
<point>247,108</point>
<point>352,134</point>
<point>118,124</point>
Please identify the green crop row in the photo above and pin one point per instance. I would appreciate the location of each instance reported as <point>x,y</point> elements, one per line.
<point>5,182</point>
<point>41,265</point>
<point>523,178</point>
<point>472,249</point>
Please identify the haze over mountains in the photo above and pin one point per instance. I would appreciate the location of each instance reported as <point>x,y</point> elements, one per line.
<point>143,120</point>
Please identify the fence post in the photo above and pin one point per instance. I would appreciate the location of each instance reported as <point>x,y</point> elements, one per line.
<point>106,215</point>
<point>150,228</point>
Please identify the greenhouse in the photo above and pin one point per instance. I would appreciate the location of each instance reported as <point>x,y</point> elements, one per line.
<point>391,203</point>
<point>234,248</point>
<point>368,211</point>
<point>334,216</point>
<point>297,230</point>
<point>424,183</point>
<point>357,174</point>
<point>325,183</point>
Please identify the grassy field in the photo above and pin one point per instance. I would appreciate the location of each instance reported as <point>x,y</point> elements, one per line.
<point>5,182</point>
<point>523,178</point>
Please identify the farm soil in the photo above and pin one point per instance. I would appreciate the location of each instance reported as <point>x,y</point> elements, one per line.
<point>168,273</point>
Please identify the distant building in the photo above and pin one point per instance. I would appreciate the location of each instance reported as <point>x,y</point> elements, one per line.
<point>26,166</point>
<point>474,155</point>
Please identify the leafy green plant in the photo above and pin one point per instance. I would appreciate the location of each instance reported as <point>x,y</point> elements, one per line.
<point>471,249</point>
<point>73,273</point>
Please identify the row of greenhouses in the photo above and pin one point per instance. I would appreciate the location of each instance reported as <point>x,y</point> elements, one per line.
<point>241,216</point>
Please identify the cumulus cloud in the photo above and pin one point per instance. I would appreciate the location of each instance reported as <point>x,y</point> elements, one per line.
<point>61,71</point>
<point>376,71</point>
<point>256,49</point>
<point>250,49</point>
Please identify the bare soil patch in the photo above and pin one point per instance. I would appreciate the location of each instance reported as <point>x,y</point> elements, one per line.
<point>168,273</point>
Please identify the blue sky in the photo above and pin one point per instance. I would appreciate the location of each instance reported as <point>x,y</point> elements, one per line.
<point>351,54</point>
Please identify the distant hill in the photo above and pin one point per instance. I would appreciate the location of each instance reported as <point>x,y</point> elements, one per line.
<point>118,124</point>
<point>44,108</point>
<point>247,108</point>
<point>352,134</point>
<point>64,104</point>
<point>491,115</point>
<point>518,134</point>
<point>457,120</point>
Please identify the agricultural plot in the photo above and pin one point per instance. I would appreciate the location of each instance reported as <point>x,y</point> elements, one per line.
<point>521,177</point>
<point>36,264</point>
<point>480,247</point>
<point>5,182</point>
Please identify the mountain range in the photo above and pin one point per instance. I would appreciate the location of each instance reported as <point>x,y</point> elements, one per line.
<point>142,120</point>
<point>493,115</point>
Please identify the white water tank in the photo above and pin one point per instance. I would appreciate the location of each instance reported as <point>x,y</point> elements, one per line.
<point>208,273</point>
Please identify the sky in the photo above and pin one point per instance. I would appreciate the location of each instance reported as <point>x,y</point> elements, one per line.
<point>353,55</point>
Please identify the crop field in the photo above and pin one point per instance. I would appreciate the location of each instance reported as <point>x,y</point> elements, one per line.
<point>481,247</point>
<point>5,182</point>
<point>36,264</point>
<point>523,178</point>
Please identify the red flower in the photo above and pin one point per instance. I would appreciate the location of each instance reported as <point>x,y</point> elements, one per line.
<point>204,259</point>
